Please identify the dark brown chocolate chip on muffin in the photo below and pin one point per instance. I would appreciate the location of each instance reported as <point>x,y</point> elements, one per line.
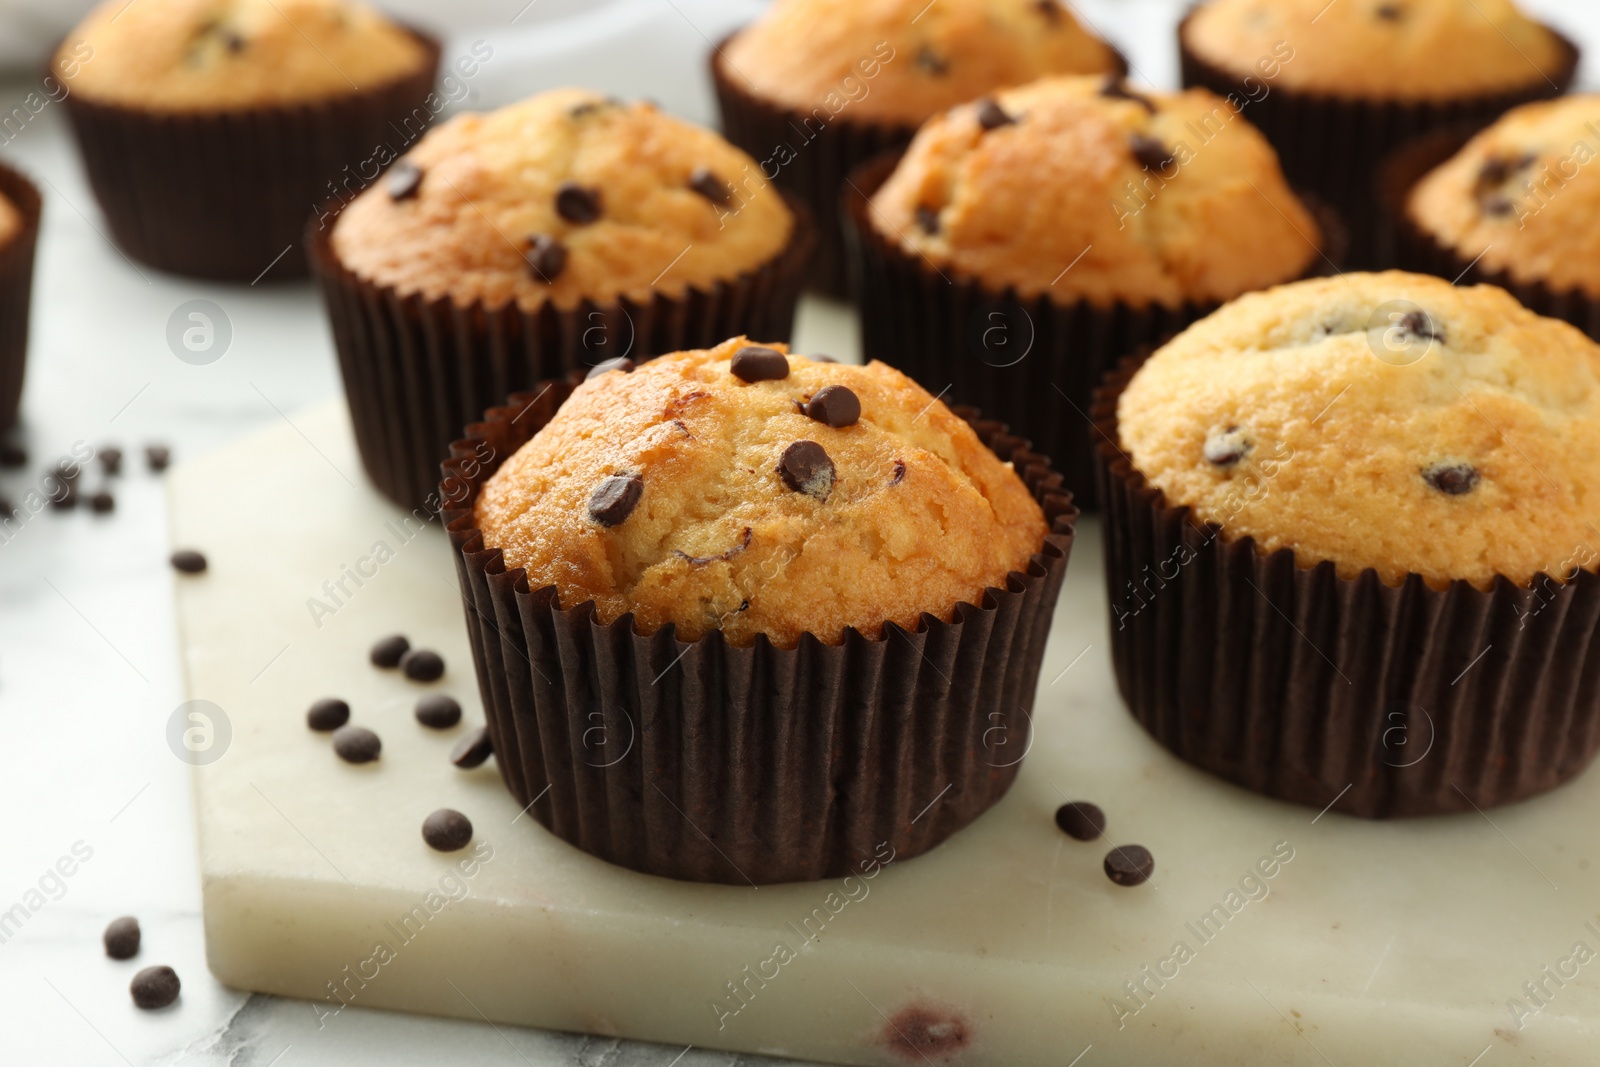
<point>155,987</point>
<point>386,651</point>
<point>329,713</point>
<point>1130,865</point>
<point>1116,88</point>
<point>1150,153</point>
<point>621,363</point>
<point>473,749</point>
<point>806,468</point>
<point>122,938</point>
<point>188,561</point>
<point>578,203</point>
<point>422,665</point>
<point>927,219</point>
<point>1419,324</point>
<point>615,498</point>
<point>356,744</point>
<point>1389,12</point>
<point>546,257</point>
<point>1081,820</point>
<point>447,830</point>
<point>834,405</point>
<point>708,185</point>
<point>404,180</point>
<point>1452,479</point>
<point>1225,448</point>
<point>757,363</point>
<point>991,116</point>
<point>930,61</point>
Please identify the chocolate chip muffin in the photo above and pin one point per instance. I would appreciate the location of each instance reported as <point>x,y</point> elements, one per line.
<point>806,598</point>
<point>815,88</point>
<point>211,130</point>
<point>1338,86</point>
<point>19,234</point>
<point>1028,240</point>
<point>1364,486</point>
<point>1516,206</point>
<point>570,229</point>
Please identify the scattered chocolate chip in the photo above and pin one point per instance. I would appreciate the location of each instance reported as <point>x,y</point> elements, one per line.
<point>122,938</point>
<point>721,557</point>
<point>422,665</point>
<point>806,468</point>
<point>615,498</point>
<point>111,459</point>
<point>356,744</point>
<point>188,561</point>
<point>329,713</point>
<point>834,405</point>
<point>1224,448</point>
<point>447,830</point>
<point>13,456</point>
<point>1389,12</point>
<point>1050,9</point>
<point>1130,865</point>
<point>404,180</point>
<point>757,363</point>
<point>1116,88</point>
<point>991,116</point>
<point>7,508</point>
<point>577,203</point>
<point>155,987</point>
<point>1494,171</point>
<point>102,502</point>
<point>546,257</point>
<point>1418,324</point>
<point>157,457</point>
<point>386,652</point>
<point>927,219</point>
<point>708,185</point>
<point>589,107</point>
<point>438,711</point>
<point>1453,479</point>
<point>473,749</point>
<point>1149,152</point>
<point>1497,205</point>
<point>819,358</point>
<point>930,61</point>
<point>1081,820</point>
<point>233,41</point>
<point>899,472</point>
<point>621,363</point>
<point>67,499</point>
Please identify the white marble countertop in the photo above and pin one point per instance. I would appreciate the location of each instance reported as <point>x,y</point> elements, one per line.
<point>88,661</point>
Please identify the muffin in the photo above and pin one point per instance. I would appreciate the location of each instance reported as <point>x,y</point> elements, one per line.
<point>799,598</point>
<point>1026,242</point>
<point>19,233</point>
<point>815,88</point>
<point>1515,207</point>
<point>1349,552</point>
<point>1336,87</point>
<point>535,241</point>
<point>211,130</point>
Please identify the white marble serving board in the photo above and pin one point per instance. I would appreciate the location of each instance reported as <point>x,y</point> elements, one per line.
<point>1402,943</point>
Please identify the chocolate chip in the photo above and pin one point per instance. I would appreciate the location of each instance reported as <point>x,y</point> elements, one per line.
<point>13,456</point>
<point>1494,171</point>
<point>103,502</point>
<point>1149,152</point>
<point>473,749</point>
<point>233,41</point>
<point>1418,324</point>
<point>386,652</point>
<point>67,470</point>
<point>188,561</point>
<point>1130,865</point>
<point>930,61</point>
<point>122,938</point>
<point>1389,12</point>
<point>1453,479</point>
<point>578,204</point>
<point>67,499</point>
<point>757,363</point>
<point>422,665</point>
<point>356,744</point>
<point>708,185</point>
<point>155,987</point>
<point>438,711</point>
<point>329,713</point>
<point>834,405</point>
<point>720,557</point>
<point>1050,9</point>
<point>806,468</point>
<point>546,257</point>
<point>1116,88</point>
<point>819,358</point>
<point>111,459</point>
<point>590,107</point>
<point>899,472</point>
<point>621,363</point>
<point>1224,448</point>
<point>1498,205</point>
<point>157,457</point>
<point>404,180</point>
<point>1081,820</point>
<point>447,830</point>
<point>615,498</point>
<point>991,116</point>
<point>927,219</point>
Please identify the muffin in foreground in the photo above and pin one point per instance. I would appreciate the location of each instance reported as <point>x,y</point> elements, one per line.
<point>535,241</point>
<point>1027,241</point>
<point>1350,549</point>
<point>744,594</point>
<point>1336,87</point>
<point>19,235</point>
<point>815,88</point>
<point>211,132</point>
<point>1514,206</point>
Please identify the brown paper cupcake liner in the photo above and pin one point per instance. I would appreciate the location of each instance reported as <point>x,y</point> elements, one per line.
<point>1296,683</point>
<point>417,370</point>
<point>1415,249</point>
<point>751,765</point>
<point>16,291</point>
<point>1032,361</point>
<point>1334,145</point>
<point>225,195</point>
<point>810,160</point>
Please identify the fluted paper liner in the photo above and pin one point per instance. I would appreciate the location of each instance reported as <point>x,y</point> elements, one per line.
<point>1296,683</point>
<point>417,370</point>
<point>1415,249</point>
<point>16,291</point>
<point>224,194</point>
<point>1033,362</point>
<point>1333,145</point>
<point>752,765</point>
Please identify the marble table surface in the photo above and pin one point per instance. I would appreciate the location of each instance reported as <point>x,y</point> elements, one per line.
<point>89,673</point>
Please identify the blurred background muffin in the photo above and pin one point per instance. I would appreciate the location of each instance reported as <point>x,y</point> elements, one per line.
<point>814,88</point>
